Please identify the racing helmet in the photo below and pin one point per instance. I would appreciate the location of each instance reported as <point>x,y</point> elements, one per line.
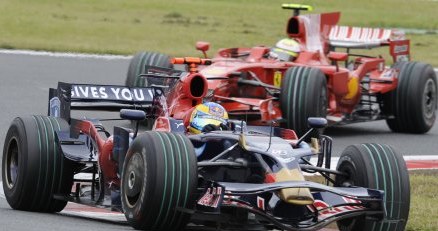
<point>207,114</point>
<point>285,50</point>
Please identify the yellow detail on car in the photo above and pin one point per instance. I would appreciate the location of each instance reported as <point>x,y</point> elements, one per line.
<point>297,6</point>
<point>353,88</point>
<point>277,78</point>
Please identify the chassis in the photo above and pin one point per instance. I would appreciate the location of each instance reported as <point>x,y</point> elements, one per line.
<point>343,86</point>
<point>250,177</point>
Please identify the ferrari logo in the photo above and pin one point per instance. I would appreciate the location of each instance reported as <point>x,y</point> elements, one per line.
<point>277,78</point>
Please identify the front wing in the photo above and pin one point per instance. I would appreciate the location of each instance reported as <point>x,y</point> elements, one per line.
<point>330,203</point>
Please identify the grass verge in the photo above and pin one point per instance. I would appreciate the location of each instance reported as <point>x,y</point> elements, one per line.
<point>173,27</point>
<point>424,201</point>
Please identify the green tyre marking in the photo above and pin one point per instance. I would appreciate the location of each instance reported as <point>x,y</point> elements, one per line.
<point>398,176</point>
<point>187,172</point>
<point>390,177</point>
<point>61,157</point>
<point>165,180</point>
<point>46,180</point>
<point>37,191</point>
<point>166,136</point>
<point>178,152</point>
<point>43,201</point>
<point>382,224</point>
<point>55,158</point>
<point>376,174</point>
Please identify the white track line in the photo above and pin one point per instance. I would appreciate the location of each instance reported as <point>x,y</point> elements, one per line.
<point>73,55</point>
<point>65,54</point>
<point>335,160</point>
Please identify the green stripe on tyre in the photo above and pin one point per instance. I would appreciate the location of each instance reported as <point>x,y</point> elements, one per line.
<point>166,136</point>
<point>54,154</point>
<point>40,164</point>
<point>178,152</point>
<point>165,180</point>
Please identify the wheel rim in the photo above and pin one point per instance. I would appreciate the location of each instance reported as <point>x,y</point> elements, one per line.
<point>134,179</point>
<point>429,99</point>
<point>11,164</point>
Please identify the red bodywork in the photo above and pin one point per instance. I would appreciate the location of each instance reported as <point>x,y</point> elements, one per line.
<point>317,35</point>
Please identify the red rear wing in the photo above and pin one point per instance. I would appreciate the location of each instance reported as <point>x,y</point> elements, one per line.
<point>365,38</point>
<point>316,32</point>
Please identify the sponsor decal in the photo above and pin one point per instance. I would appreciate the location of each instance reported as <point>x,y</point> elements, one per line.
<point>388,74</point>
<point>325,210</point>
<point>277,78</point>
<point>400,49</point>
<point>215,110</point>
<point>178,125</point>
<point>212,198</point>
<point>55,107</point>
<point>261,203</point>
<point>287,157</point>
<point>111,93</point>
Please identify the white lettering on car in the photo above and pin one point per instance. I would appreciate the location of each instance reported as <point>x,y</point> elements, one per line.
<point>126,94</point>
<point>116,92</point>
<point>137,96</point>
<point>94,92</point>
<point>84,91</point>
<point>103,94</point>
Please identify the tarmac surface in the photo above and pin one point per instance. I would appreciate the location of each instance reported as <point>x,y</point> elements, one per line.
<point>24,83</point>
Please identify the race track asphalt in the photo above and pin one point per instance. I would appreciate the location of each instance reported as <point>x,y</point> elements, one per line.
<point>24,83</point>
<point>25,80</point>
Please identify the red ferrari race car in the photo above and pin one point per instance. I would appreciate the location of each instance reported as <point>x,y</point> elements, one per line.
<point>303,75</point>
<point>239,178</point>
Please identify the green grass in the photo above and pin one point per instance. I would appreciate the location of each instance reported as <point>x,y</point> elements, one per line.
<point>173,27</point>
<point>424,201</point>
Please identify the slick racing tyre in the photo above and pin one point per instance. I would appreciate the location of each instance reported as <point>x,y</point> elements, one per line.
<point>137,67</point>
<point>376,166</point>
<point>303,95</point>
<point>159,181</point>
<point>413,103</point>
<point>34,168</point>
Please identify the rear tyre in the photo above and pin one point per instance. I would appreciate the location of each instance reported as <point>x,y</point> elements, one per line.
<point>159,181</point>
<point>137,67</point>
<point>34,168</point>
<point>414,102</point>
<point>376,166</point>
<point>303,95</point>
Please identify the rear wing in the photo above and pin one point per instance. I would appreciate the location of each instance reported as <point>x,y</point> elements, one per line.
<point>67,97</point>
<point>367,38</point>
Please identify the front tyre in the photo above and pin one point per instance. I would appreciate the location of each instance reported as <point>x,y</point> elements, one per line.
<point>376,166</point>
<point>34,168</point>
<point>413,104</point>
<point>159,181</point>
<point>303,95</point>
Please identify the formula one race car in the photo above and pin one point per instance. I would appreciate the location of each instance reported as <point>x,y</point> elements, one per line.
<point>303,76</point>
<point>243,178</point>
